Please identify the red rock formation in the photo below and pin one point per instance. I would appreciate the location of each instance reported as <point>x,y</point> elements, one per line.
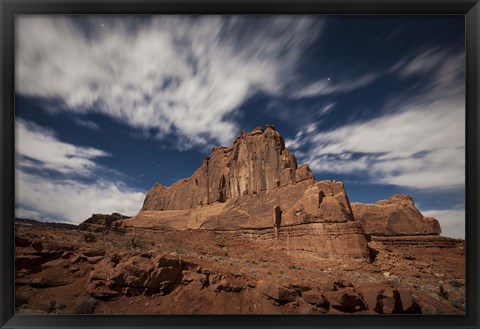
<point>101,222</point>
<point>238,187</point>
<point>249,179</point>
<point>396,216</point>
<point>257,162</point>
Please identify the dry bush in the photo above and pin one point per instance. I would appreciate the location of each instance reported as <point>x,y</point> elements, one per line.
<point>85,305</point>
<point>89,237</point>
<point>20,299</point>
<point>55,306</point>
<point>137,242</point>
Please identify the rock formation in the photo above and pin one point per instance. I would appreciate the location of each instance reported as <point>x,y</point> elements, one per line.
<point>256,183</point>
<point>101,222</point>
<point>257,162</point>
<point>393,217</point>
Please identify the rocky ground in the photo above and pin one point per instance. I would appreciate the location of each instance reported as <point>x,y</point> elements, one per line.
<point>206,272</point>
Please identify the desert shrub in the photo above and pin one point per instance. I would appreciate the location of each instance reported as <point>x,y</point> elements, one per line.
<point>459,303</point>
<point>89,237</point>
<point>85,305</point>
<point>20,299</point>
<point>442,292</point>
<point>457,283</point>
<point>137,242</point>
<point>292,267</point>
<point>55,306</point>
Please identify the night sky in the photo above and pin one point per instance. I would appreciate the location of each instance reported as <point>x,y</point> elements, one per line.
<point>107,106</point>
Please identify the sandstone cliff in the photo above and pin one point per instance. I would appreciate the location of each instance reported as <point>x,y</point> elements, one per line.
<point>256,184</point>
<point>257,162</point>
<point>396,216</point>
<point>240,185</point>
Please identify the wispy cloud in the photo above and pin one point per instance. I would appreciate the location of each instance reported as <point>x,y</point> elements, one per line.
<point>39,147</point>
<point>87,124</point>
<point>425,61</point>
<point>419,142</point>
<point>452,221</point>
<point>328,85</point>
<point>171,73</point>
<point>25,213</point>
<point>42,196</point>
<point>71,200</point>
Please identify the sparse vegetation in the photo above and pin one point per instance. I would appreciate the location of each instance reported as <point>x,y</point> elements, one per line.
<point>55,306</point>
<point>89,237</point>
<point>459,303</point>
<point>85,305</point>
<point>457,283</point>
<point>293,267</point>
<point>20,299</point>
<point>137,242</point>
<point>442,292</point>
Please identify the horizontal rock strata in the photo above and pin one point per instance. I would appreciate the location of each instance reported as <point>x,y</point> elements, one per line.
<point>393,217</point>
<point>101,222</point>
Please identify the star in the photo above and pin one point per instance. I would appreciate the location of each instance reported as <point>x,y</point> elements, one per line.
<point>328,78</point>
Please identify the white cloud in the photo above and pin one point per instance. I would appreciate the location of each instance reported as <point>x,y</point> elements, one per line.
<point>29,214</point>
<point>419,142</point>
<point>87,124</point>
<point>328,85</point>
<point>327,109</point>
<point>42,197</point>
<point>425,61</point>
<point>73,201</point>
<point>170,72</point>
<point>38,147</point>
<point>452,221</point>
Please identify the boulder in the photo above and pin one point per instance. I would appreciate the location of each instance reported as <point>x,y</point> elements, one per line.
<point>314,297</point>
<point>346,300</point>
<point>279,293</point>
<point>139,272</point>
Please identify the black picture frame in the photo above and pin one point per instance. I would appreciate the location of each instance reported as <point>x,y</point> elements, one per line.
<point>10,8</point>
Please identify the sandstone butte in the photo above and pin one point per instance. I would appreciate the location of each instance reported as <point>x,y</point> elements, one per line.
<point>397,216</point>
<point>256,187</point>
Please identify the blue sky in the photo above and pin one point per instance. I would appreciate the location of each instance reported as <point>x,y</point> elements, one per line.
<point>106,106</point>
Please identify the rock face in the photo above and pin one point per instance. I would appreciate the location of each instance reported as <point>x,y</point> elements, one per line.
<point>393,217</point>
<point>256,183</point>
<point>101,222</point>
<point>239,186</point>
<point>257,162</point>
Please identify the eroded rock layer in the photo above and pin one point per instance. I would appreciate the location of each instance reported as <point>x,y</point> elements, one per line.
<point>393,217</point>
<point>256,184</point>
<point>102,222</point>
<point>240,185</point>
<point>257,162</point>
